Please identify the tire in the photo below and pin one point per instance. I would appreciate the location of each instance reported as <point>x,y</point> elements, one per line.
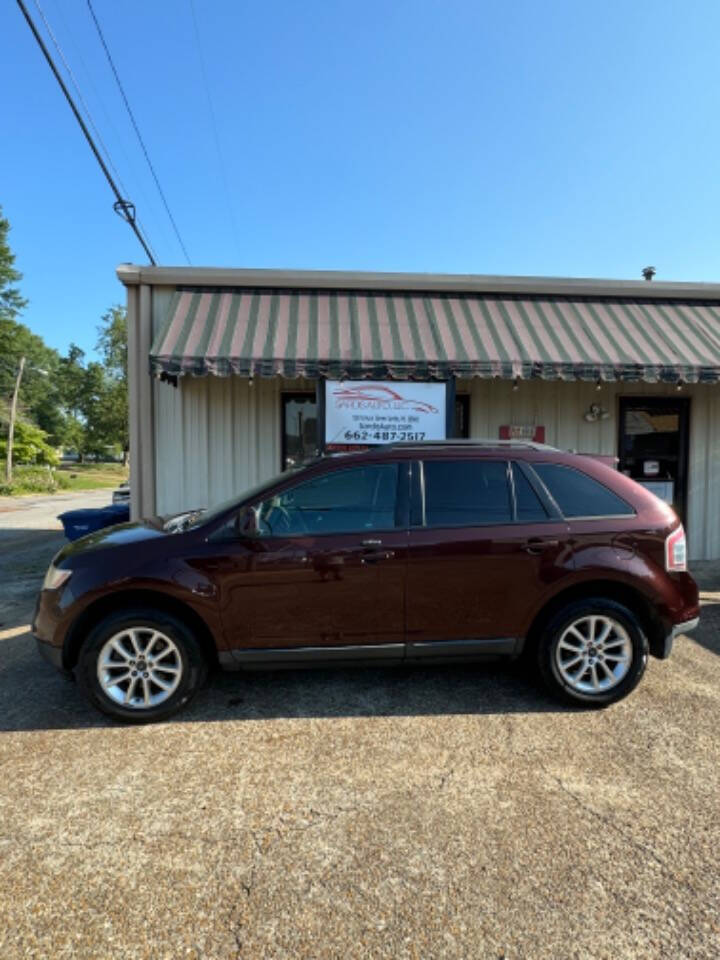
<point>573,643</point>
<point>115,677</point>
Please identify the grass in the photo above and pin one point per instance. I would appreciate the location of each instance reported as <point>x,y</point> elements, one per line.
<point>74,476</point>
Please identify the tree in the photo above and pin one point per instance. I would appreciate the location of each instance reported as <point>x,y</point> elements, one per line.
<point>112,342</point>
<point>70,378</point>
<point>11,303</point>
<point>30,445</point>
<point>76,404</point>
<point>37,398</point>
<point>94,395</point>
<point>112,345</point>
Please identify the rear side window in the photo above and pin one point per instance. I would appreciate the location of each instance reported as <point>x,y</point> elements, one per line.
<point>578,495</point>
<point>528,507</point>
<point>466,492</point>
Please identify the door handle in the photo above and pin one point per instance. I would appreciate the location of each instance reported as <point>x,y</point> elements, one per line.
<point>536,545</point>
<point>371,543</point>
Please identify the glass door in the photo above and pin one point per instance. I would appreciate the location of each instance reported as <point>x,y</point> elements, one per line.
<point>299,429</point>
<point>653,446</point>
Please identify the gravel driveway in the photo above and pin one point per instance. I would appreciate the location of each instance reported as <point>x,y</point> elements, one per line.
<point>445,812</point>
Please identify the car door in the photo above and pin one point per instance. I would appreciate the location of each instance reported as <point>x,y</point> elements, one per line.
<point>327,567</point>
<point>482,550</point>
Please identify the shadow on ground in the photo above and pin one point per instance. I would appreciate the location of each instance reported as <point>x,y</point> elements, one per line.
<point>708,633</point>
<point>33,696</point>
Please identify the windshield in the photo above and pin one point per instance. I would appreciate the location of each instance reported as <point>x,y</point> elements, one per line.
<point>190,519</point>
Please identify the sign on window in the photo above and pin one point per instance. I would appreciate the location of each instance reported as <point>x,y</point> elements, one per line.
<point>370,412</point>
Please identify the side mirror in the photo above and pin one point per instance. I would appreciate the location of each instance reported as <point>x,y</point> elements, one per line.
<point>248,522</point>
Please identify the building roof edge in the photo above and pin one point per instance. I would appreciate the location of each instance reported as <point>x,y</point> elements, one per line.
<point>132,274</point>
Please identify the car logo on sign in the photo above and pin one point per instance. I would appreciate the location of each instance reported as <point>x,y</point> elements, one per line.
<point>379,398</point>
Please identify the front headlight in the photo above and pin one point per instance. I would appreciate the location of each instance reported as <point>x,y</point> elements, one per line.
<point>55,578</point>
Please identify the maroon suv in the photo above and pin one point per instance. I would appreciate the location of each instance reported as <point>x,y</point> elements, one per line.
<point>444,552</point>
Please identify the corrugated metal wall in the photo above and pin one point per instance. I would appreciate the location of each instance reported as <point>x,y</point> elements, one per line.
<point>216,437</point>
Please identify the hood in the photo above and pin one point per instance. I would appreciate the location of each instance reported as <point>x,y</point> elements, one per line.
<point>121,535</point>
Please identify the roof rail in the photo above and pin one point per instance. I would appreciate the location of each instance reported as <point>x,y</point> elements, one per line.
<point>483,442</point>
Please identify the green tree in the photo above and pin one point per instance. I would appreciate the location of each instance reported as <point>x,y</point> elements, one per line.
<point>112,345</point>
<point>11,303</point>
<point>38,400</point>
<point>99,433</point>
<point>112,342</point>
<point>94,395</point>
<point>30,445</point>
<point>76,404</point>
<point>70,380</point>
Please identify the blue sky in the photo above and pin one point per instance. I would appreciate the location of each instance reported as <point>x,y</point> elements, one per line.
<point>549,138</point>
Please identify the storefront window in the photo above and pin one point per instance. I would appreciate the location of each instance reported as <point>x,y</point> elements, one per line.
<point>462,416</point>
<point>299,429</point>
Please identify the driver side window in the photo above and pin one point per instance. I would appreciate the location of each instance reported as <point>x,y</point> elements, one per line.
<point>342,501</point>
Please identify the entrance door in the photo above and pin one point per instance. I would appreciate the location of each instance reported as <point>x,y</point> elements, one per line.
<point>299,429</point>
<point>653,446</point>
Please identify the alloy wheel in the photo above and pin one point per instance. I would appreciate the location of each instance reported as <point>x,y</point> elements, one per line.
<point>139,668</point>
<point>594,654</point>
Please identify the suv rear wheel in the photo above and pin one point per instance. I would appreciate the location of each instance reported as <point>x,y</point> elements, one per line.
<point>140,665</point>
<point>593,652</point>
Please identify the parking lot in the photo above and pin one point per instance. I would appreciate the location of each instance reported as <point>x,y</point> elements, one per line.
<point>420,813</point>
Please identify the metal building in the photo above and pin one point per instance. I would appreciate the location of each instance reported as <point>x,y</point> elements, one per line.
<point>228,370</point>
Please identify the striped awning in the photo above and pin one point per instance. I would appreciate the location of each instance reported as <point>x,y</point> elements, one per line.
<point>265,333</point>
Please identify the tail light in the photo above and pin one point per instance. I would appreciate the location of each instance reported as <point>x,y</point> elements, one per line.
<point>676,551</point>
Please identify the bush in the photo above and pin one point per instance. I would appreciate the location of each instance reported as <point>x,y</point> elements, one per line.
<point>29,480</point>
<point>30,445</point>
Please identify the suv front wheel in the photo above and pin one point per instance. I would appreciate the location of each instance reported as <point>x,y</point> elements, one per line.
<point>140,665</point>
<point>593,652</point>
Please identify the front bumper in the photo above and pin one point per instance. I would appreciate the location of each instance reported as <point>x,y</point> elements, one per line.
<point>48,627</point>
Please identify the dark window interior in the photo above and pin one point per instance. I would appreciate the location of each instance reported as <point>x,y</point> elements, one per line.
<point>578,495</point>
<point>653,445</point>
<point>462,416</point>
<point>466,492</point>
<point>362,498</point>
<point>299,429</point>
<point>527,503</point>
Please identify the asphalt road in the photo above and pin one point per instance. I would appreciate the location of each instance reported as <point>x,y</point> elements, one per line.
<point>30,534</point>
<point>445,812</point>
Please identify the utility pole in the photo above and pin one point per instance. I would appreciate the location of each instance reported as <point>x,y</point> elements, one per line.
<point>11,424</point>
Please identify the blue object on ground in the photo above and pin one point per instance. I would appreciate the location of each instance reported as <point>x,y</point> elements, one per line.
<point>77,523</point>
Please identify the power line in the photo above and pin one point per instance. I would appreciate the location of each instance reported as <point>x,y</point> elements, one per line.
<point>135,127</point>
<point>85,108</point>
<point>129,162</point>
<point>124,207</point>
<point>213,121</point>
